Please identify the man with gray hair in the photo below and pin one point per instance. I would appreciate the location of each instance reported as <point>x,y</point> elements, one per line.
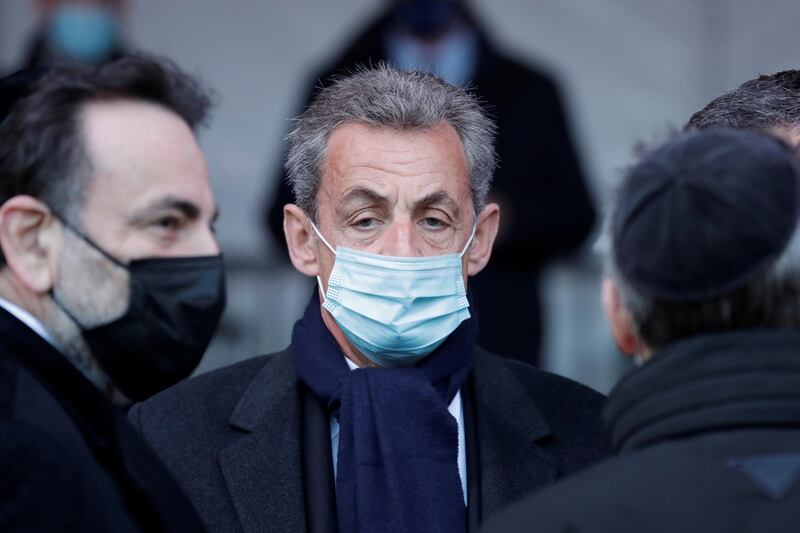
<point>703,286</point>
<point>769,103</point>
<point>383,414</point>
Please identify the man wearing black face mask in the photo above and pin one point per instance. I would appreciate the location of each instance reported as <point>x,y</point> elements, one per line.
<point>111,286</point>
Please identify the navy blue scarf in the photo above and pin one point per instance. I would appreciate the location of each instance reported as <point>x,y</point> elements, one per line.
<point>397,468</point>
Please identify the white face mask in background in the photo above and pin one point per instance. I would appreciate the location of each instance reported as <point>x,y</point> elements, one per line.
<point>395,310</point>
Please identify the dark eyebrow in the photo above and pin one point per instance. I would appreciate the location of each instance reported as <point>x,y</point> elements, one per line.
<point>187,208</point>
<point>441,198</point>
<point>361,195</point>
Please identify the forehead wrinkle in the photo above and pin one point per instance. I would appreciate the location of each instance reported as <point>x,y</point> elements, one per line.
<point>439,197</point>
<point>361,194</point>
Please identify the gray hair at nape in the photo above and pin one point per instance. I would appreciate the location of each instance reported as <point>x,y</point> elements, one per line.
<point>385,97</point>
<point>771,300</point>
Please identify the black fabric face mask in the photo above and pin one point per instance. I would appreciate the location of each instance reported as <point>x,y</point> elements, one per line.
<point>175,307</point>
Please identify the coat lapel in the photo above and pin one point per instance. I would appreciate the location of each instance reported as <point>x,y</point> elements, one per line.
<point>510,432</point>
<point>262,469</point>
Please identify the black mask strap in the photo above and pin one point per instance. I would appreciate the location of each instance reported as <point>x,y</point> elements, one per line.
<point>60,304</point>
<point>94,245</point>
<point>85,238</point>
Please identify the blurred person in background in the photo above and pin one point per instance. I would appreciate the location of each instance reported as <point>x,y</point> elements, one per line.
<point>76,31</point>
<point>547,209</point>
<point>768,103</point>
<point>111,286</point>
<point>703,288</point>
<point>383,414</point>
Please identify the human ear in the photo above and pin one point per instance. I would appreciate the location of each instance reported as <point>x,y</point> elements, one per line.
<point>619,319</point>
<point>486,228</point>
<point>300,240</point>
<point>31,241</point>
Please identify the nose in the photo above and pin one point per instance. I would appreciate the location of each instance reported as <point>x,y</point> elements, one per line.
<point>399,239</point>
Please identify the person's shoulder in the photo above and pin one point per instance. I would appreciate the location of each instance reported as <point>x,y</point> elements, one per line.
<point>581,502</point>
<point>616,495</point>
<point>204,397</point>
<point>544,386</point>
<point>572,411</point>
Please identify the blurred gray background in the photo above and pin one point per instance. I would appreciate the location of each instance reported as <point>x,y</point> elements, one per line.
<point>628,68</point>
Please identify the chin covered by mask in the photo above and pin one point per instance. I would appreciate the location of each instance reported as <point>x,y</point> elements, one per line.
<point>175,306</point>
<point>396,310</point>
<point>84,33</point>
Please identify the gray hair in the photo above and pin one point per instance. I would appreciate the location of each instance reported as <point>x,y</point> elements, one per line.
<point>389,98</point>
<point>764,103</point>
<point>771,300</point>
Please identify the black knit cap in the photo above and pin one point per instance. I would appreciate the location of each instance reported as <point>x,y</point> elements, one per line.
<point>705,214</point>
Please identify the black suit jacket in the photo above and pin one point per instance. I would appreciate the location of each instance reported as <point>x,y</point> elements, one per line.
<point>234,439</point>
<point>68,457</point>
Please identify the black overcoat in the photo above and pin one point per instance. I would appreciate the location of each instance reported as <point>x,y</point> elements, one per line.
<point>708,437</point>
<point>235,440</point>
<point>69,460</point>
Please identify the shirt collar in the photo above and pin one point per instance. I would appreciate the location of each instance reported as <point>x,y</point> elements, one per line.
<point>28,319</point>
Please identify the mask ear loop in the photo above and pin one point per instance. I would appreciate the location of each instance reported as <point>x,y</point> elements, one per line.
<point>85,238</point>
<point>469,242</point>
<point>316,230</point>
<point>319,279</point>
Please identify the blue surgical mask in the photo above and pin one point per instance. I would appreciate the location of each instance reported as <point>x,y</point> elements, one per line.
<point>83,32</point>
<point>395,310</point>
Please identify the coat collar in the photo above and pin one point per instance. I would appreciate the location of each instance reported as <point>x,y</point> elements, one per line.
<point>510,431</point>
<point>90,409</point>
<point>262,467</point>
<point>142,479</point>
<point>727,380</point>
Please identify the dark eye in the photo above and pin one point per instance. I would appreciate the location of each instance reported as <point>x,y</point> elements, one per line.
<point>168,223</point>
<point>433,223</point>
<point>366,223</point>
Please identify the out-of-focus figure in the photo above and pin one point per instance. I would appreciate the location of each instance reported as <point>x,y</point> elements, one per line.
<point>703,288</point>
<point>547,209</point>
<point>82,31</point>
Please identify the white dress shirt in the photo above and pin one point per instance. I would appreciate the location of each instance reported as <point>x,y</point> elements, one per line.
<point>455,408</point>
<point>28,319</point>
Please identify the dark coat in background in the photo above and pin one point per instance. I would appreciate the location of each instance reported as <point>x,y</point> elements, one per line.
<point>708,436</point>
<point>547,211</point>
<point>69,459</point>
<point>250,444</point>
